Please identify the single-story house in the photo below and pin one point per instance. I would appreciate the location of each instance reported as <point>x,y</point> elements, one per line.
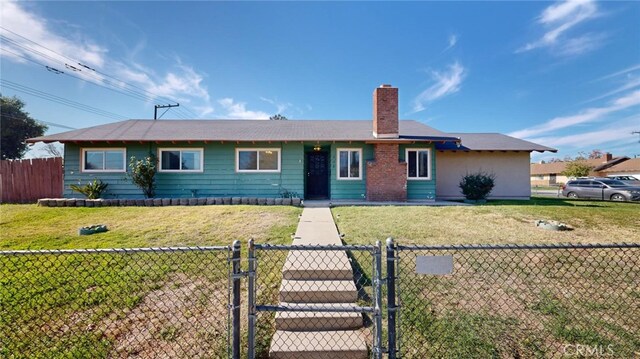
<point>380,160</point>
<point>548,174</point>
<point>630,167</point>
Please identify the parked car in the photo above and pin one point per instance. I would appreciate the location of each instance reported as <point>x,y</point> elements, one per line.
<point>628,180</point>
<point>601,188</point>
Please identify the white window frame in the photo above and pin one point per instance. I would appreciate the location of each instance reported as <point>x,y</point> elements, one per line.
<point>338,150</point>
<point>257,150</point>
<point>192,149</point>
<point>429,166</point>
<point>103,149</point>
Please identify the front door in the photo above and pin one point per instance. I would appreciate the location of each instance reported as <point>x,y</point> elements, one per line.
<point>317,175</point>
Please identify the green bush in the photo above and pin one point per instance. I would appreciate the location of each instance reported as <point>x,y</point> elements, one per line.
<point>477,186</point>
<point>91,190</point>
<point>143,174</point>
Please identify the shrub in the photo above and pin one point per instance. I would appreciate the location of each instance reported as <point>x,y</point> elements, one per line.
<point>91,190</point>
<point>143,173</point>
<point>477,186</point>
<point>577,169</point>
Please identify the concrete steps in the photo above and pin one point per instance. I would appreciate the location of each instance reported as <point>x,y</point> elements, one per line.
<point>318,291</point>
<point>331,265</point>
<point>319,321</point>
<point>318,345</point>
<point>323,279</point>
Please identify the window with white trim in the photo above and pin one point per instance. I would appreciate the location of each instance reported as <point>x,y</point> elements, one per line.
<point>181,159</point>
<point>418,163</point>
<point>258,160</point>
<point>103,160</point>
<point>349,163</point>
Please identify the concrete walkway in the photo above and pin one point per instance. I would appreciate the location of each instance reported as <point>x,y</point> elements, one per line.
<point>323,279</point>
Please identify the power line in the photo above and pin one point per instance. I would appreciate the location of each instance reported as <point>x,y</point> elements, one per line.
<point>153,96</point>
<point>44,122</point>
<point>53,98</point>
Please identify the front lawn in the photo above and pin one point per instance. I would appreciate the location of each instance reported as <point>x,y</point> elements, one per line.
<point>32,227</point>
<point>511,303</point>
<point>495,222</point>
<point>145,304</point>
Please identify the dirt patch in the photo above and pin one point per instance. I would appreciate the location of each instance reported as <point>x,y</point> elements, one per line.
<point>186,317</point>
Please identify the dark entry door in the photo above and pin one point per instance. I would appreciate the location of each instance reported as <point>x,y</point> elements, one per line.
<point>317,175</point>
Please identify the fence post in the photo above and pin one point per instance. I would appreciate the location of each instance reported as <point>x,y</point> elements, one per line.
<point>236,275</point>
<point>377,253</point>
<point>391,297</point>
<point>252,301</point>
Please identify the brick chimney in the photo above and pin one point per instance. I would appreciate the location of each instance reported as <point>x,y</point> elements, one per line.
<point>607,157</point>
<point>385,112</point>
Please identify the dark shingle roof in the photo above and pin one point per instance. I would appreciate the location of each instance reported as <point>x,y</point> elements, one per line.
<point>241,130</point>
<point>289,130</point>
<point>492,142</point>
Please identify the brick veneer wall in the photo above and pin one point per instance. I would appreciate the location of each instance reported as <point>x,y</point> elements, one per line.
<point>386,176</point>
<point>385,111</point>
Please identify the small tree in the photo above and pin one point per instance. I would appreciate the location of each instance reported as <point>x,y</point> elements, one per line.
<point>16,125</point>
<point>577,169</point>
<point>477,186</point>
<point>143,173</point>
<point>278,117</point>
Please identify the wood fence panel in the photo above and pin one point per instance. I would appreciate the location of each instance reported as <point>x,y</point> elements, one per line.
<point>26,181</point>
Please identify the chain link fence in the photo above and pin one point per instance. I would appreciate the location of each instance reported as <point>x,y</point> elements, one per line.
<point>115,303</point>
<point>514,301</point>
<point>314,298</point>
<point>507,301</point>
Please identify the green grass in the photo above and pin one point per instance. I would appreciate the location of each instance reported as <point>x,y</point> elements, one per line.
<point>512,304</point>
<point>89,305</point>
<point>32,227</point>
<point>495,222</point>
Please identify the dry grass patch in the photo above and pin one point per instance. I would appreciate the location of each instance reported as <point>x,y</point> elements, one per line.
<point>497,222</point>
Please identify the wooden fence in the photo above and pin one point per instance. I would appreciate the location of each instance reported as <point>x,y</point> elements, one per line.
<point>25,181</point>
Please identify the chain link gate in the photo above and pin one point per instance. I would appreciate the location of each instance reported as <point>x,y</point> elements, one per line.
<point>99,303</point>
<point>518,301</point>
<point>306,298</point>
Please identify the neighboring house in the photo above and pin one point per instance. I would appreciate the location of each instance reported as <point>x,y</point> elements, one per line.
<point>547,174</point>
<point>630,167</point>
<point>380,160</point>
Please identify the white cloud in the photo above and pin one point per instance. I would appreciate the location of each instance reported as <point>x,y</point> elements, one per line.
<point>630,83</point>
<point>281,107</point>
<point>31,26</point>
<point>557,20</point>
<point>238,110</point>
<point>621,72</point>
<point>179,82</point>
<point>444,83</point>
<point>589,115</point>
<point>451,42</point>
<point>614,133</point>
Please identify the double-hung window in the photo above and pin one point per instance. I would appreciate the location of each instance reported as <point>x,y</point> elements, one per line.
<point>418,163</point>
<point>258,160</point>
<point>181,159</point>
<point>349,163</point>
<point>103,160</point>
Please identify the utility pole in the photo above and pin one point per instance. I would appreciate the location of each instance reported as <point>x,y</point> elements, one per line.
<point>156,107</point>
<point>636,133</point>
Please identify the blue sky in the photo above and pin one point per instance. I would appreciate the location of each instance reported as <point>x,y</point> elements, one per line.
<point>564,74</point>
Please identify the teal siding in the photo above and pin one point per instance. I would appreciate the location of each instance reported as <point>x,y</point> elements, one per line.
<point>219,177</point>
<point>348,189</point>
<point>421,189</point>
